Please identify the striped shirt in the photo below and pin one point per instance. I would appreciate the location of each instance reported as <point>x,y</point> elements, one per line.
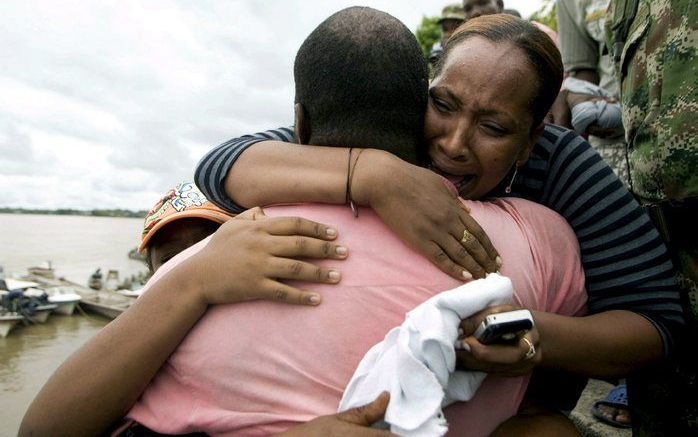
<point>626,264</point>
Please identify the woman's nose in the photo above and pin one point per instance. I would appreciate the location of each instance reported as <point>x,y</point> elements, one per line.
<point>455,146</point>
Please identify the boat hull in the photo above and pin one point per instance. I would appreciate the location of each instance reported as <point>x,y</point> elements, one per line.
<point>108,311</point>
<point>7,324</point>
<point>42,313</point>
<point>66,308</point>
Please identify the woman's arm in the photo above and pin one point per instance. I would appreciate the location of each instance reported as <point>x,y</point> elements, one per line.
<point>625,262</point>
<point>100,382</point>
<point>611,344</point>
<point>412,201</point>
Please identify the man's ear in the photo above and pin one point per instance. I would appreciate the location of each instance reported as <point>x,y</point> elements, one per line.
<point>302,124</point>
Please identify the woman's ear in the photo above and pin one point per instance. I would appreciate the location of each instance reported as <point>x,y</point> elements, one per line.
<point>526,148</point>
<point>301,124</point>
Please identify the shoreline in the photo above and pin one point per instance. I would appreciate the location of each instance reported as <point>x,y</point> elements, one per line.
<point>115,213</point>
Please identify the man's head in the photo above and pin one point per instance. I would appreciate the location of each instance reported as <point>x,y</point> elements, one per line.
<point>476,8</point>
<point>452,16</point>
<point>361,81</point>
<point>181,218</point>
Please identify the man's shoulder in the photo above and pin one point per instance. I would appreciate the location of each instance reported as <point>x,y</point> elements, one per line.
<point>536,222</point>
<point>531,213</point>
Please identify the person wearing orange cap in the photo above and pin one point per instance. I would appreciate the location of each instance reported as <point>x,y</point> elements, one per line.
<point>180,219</point>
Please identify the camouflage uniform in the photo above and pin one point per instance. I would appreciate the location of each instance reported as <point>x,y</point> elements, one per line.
<point>451,12</point>
<point>654,44</point>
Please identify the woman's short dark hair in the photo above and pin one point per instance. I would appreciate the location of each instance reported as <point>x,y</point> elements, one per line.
<point>539,49</point>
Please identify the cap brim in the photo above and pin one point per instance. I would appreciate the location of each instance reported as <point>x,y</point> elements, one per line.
<point>208,214</point>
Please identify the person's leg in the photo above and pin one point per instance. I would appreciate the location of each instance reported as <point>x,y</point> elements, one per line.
<point>664,400</point>
<point>535,420</point>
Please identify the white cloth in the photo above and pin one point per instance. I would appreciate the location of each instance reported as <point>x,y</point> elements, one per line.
<point>416,360</point>
<point>605,114</point>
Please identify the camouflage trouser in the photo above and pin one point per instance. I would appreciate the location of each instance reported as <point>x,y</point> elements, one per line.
<point>615,156</point>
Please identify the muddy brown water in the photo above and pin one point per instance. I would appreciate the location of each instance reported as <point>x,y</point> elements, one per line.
<point>30,354</point>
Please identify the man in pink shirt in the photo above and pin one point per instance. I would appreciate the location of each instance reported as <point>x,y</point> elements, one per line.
<point>258,368</point>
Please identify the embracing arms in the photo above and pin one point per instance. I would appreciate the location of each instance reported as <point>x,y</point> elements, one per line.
<point>99,383</point>
<point>254,170</point>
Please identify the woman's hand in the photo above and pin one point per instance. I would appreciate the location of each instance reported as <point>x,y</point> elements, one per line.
<point>249,255</point>
<point>418,206</point>
<point>504,359</point>
<point>354,422</point>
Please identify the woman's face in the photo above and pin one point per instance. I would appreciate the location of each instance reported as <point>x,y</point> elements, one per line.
<point>478,120</point>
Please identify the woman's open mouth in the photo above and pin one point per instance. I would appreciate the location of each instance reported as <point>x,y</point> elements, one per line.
<point>462,182</point>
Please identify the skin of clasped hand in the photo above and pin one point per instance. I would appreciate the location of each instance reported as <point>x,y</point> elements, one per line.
<point>394,201</point>
<point>510,359</point>
<point>270,243</point>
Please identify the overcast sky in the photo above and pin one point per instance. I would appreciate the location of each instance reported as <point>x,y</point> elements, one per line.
<point>107,104</point>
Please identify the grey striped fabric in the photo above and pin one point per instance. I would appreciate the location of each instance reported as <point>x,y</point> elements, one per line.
<point>625,261</point>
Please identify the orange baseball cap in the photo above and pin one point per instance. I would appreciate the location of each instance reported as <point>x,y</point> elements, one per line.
<point>184,201</point>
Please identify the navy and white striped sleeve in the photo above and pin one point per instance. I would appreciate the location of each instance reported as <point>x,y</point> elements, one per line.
<point>213,168</point>
<point>626,263</point>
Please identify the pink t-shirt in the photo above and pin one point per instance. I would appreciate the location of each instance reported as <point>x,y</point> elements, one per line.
<point>258,368</point>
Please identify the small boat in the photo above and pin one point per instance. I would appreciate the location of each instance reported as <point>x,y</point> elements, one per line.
<point>65,297</point>
<point>130,293</point>
<point>41,313</point>
<point>38,308</point>
<point>30,303</point>
<point>45,270</point>
<point>106,308</point>
<point>112,281</point>
<point>8,320</point>
<point>95,282</point>
<point>18,284</point>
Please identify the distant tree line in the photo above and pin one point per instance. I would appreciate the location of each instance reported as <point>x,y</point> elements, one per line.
<point>83,212</point>
<point>429,30</point>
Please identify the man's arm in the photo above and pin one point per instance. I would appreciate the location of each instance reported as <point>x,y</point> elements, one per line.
<point>580,56</point>
<point>578,49</point>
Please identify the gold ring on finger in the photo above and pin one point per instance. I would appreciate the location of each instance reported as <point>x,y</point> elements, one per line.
<point>531,352</point>
<point>467,236</point>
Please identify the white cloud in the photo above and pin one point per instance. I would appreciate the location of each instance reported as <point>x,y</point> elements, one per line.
<point>108,104</point>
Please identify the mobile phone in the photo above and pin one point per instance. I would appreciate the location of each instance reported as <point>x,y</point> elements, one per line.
<point>503,327</point>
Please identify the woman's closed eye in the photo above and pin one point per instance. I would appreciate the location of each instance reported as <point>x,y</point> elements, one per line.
<point>494,129</point>
<point>440,105</point>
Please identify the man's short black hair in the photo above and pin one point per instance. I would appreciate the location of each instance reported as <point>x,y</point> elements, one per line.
<point>363,82</point>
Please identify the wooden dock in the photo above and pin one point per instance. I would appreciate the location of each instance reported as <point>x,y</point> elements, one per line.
<point>108,304</point>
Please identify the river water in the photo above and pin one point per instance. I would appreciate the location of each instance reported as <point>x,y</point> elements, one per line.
<point>76,246</point>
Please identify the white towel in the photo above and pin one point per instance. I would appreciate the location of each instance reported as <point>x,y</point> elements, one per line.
<point>416,361</point>
<point>606,115</point>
